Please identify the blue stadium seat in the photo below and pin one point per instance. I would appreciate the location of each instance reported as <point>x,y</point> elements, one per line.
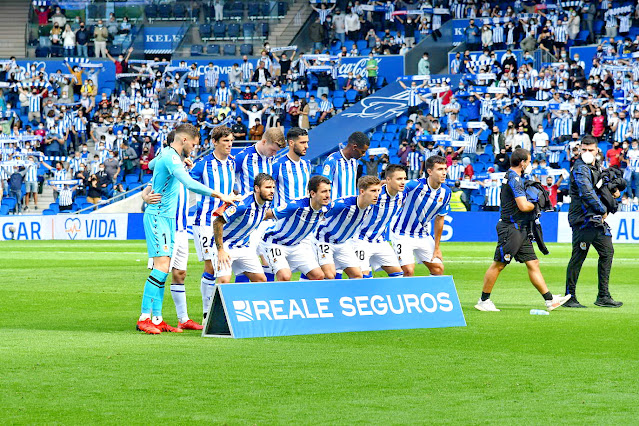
<point>4,210</point>
<point>361,45</point>
<point>313,119</point>
<point>55,207</point>
<point>598,26</point>
<point>350,95</point>
<point>246,49</point>
<point>248,29</point>
<point>213,49</point>
<point>205,31</point>
<point>146,178</point>
<point>42,52</point>
<point>582,37</point>
<point>233,30</point>
<point>265,9</point>
<point>10,202</point>
<point>474,208</point>
<point>197,50</point>
<point>263,29</point>
<point>389,136</point>
<point>80,199</point>
<point>229,50</point>
<point>49,212</point>
<point>219,30</point>
<point>402,120</point>
<point>377,136</point>
<point>132,178</point>
<point>179,10</point>
<point>253,9</point>
<point>86,205</point>
<point>300,94</point>
<point>479,167</point>
<point>282,8</point>
<point>392,128</point>
<point>151,11</point>
<point>338,103</point>
<point>164,11</point>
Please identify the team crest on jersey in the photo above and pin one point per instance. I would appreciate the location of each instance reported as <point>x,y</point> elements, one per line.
<point>583,246</point>
<point>230,210</point>
<point>176,159</point>
<point>507,257</point>
<point>327,170</point>
<point>166,248</point>
<point>440,199</point>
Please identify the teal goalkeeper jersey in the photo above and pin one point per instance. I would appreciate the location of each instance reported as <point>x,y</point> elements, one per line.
<point>168,172</point>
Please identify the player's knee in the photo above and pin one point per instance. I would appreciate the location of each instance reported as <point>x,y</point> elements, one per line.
<point>259,278</point>
<point>437,269</point>
<point>283,276</point>
<point>355,275</point>
<point>409,270</point>
<point>223,280</point>
<point>533,264</point>
<point>317,275</point>
<point>179,276</point>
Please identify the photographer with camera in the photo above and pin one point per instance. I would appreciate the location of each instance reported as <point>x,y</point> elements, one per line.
<point>586,218</point>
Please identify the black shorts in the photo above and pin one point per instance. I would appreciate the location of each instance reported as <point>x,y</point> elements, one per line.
<point>513,243</point>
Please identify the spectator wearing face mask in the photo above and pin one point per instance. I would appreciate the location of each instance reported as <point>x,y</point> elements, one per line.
<point>100,37</point>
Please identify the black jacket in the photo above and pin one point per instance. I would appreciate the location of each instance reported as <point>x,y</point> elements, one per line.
<point>609,181</point>
<point>584,200</point>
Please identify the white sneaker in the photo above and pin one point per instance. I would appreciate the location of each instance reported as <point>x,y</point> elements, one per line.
<point>486,306</point>
<point>557,301</point>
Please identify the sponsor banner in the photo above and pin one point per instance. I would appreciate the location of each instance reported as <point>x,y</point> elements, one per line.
<point>161,38</point>
<point>480,227</point>
<point>333,306</point>
<point>390,67</point>
<point>623,225</point>
<point>459,25</point>
<point>65,227</point>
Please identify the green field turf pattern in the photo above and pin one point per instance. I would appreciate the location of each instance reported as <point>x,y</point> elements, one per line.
<point>70,355</point>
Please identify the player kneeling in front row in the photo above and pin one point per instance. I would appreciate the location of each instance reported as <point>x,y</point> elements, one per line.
<point>233,231</point>
<point>284,244</point>
<point>159,223</point>
<point>334,243</point>
<point>425,199</point>
<point>373,250</point>
<point>512,235</point>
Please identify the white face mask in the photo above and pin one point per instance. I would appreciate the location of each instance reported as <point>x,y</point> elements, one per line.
<point>587,157</point>
<point>528,169</point>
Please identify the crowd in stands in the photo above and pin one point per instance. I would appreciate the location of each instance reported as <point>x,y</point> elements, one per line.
<point>381,27</point>
<point>60,36</point>
<point>65,127</point>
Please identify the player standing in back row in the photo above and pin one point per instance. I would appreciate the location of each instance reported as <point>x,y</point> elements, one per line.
<point>512,235</point>
<point>159,223</point>
<point>425,199</point>
<point>341,167</point>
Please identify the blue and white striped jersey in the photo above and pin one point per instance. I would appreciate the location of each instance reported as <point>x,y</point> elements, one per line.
<point>376,224</point>
<point>415,159</point>
<point>295,221</point>
<point>342,173</point>
<point>32,172</point>
<point>493,196</point>
<point>218,175</point>
<point>325,106</point>
<point>498,34</point>
<point>65,197</point>
<point>210,76</point>
<point>455,171</point>
<point>34,102</point>
<point>291,179</point>
<point>223,95</point>
<point>413,98</point>
<point>80,124</point>
<point>74,164</point>
<point>623,127</point>
<point>182,212</point>
<point>194,73</point>
<point>421,205</point>
<point>59,174</point>
<point>242,220</point>
<point>247,70</point>
<point>248,164</point>
<point>343,220</point>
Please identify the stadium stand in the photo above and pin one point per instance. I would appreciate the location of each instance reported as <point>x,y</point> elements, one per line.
<point>486,107</point>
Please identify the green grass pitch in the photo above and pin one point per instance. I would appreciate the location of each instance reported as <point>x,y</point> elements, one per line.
<point>70,355</point>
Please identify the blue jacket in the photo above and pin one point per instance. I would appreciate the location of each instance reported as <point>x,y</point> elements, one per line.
<point>584,201</point>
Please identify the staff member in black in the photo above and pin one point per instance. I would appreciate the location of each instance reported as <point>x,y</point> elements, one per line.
<point>512,235</point>
<point>586,218</point>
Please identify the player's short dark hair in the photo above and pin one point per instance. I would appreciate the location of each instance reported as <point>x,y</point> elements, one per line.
<point>367,181</point>
<point>519,155</point>
<point>295,132</point>
<point>170,137</point>
<point>589,140</point>
<point>188,130</point>
<point>315,181</point>
<point>261,178</point>
<point>359,139</point>
<point>435,159</point>
<point>392,168</point>
<point>220,132</point>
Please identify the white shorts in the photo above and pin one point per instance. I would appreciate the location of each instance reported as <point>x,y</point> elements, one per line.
<point>409,248</point>
<point>243,259</point>
<point>180,256</point>
<point>204,243</point>
<point>300,257</point>
<point>341,255</point>
<point>373,256</point>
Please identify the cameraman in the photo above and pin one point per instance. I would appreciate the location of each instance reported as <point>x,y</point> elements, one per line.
<point>586,217</point>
